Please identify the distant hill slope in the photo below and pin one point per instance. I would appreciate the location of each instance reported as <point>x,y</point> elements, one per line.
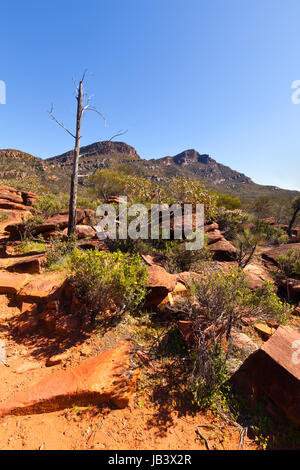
<point>189,164</point>
<point>24,171</point>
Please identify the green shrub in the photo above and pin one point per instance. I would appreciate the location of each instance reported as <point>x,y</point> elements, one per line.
<point>108,281</point>
<point>58,251</point>
<point>271,233</point>
<point>219,301</point>
<point>48,204</point>
<point>3,217</point>
<point>176,258</point>
<point>232,222</point>
<point>289,264</point>
<point>87,203</point>
<point>228,202</point>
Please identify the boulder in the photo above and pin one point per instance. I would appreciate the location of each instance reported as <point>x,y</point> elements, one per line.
<point>257,275</point>
<point>29,264</point>
<point>57,359</point>
<point>14,206</point>
<point>11,283</point>
<point>39,289</point>
<point>211,227</point>
<point>272,255</point>
<point>82,231</point>
<point>59,221</point>
<point>214,236</point>
<point>223,250</point>
<point>160,283</point>
<point>11,194</point>
<point>103,378</point>
<point>264,330</point>
<point>274,370</point>
<point>29,198</point>
<point>242,342</point>
<point>49,226</point>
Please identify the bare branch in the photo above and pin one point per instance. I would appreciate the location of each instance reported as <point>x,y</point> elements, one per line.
<point>121,132</point>
<point>92,108</point>
<point>60,123</point>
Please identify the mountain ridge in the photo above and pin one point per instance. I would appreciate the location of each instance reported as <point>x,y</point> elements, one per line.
<point>23,170</point>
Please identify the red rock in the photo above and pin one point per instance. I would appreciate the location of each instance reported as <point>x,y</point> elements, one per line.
<point>272,255</point>
<point>297,310</point>
<point>40,289</point>
<point>242,342</point>
<point>29,264</point>
<point>29,198</point>
<point>160,283</point>
<point>29,366</point>
<point>81,232</point>
<point>27,326</point>
<point>257,275</point>
<point>270,220</point>
<point>48,319</point>
<point>11,283</point>
<point>223,250</point>
<point>211,227</point>
<point>11,194</point>
<point>100,379</point>
<point>274,370</point>
<point>66,325</point>
<point>188,277</point>
<point>114,200</point>
<point>57,359</point>
<point>213,236</point>
<point>264,330</point>
<point>4,204</point>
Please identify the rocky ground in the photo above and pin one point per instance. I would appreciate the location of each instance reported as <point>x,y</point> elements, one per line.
<point>68,384</point>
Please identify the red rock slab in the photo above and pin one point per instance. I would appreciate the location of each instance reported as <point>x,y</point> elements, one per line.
<point>274,370</point>
<point>40,289</point>
<point>11,283</point>
<point>160,283</point>
<point>272,255</point>
<point>81,232</point>
<point>102,378</point>
<point>213,236</point>
<point>257,275</point>
<point>4,204</point>
<point>11,194</point>
<point>211,227</point>
<point>29,264</point>
<point>223,250</point>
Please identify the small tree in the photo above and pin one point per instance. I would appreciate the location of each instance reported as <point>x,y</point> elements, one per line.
<point>296,209</point>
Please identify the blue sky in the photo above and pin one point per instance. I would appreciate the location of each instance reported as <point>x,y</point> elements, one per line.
<point>214,75</point>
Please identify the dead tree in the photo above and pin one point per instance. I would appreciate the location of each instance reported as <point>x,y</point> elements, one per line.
<point>83,105</point>
<point>296,210</point>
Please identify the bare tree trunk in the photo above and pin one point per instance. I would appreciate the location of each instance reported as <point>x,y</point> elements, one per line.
<point>74,180</point>
<point>292,222</point>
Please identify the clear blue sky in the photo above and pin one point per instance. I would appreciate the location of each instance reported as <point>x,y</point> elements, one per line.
<point>214,75</point>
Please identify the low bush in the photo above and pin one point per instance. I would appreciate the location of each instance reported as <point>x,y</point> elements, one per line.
<point>232,222</point>
<point>58,250</point>
<point>289,264</point>
<point>48,204</point>
<point>219,301</point>
<point>114,282</point>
